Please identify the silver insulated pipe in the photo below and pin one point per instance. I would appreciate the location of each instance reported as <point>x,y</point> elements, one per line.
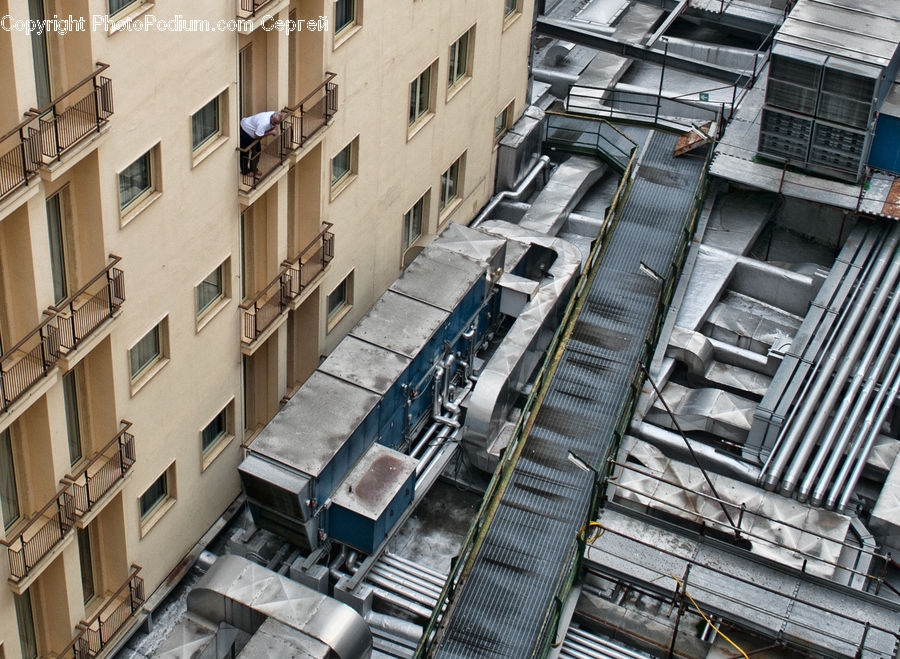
<point>799,439</point>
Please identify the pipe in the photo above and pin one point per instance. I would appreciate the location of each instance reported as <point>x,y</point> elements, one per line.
<point>847,356</point>
<point>436,401</point>
<point>427,436</point>
<point>507,194</point>
<point>870,429</point>
<point>404,629</point>
<point>454,405</point>
<point>402,590</point>
<point>439,441</point>
<point>673,445</point>
<point>408,580</point>
<point>426,573</point>
<point>584,641</point>
<point>449,372</point>
<point>798,430</point>
<point>866,376</point>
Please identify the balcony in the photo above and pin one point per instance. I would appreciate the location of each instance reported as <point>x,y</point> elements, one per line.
<point>100,476</point>
<point>94,635</point>
<point>37,539</point>
<point>310,262</point>
<point>81,316</point>
<point>301,122</point>
<point>77,113</point>
<point>63,331</point>
<point>18,161</point>
<point>260,313</point>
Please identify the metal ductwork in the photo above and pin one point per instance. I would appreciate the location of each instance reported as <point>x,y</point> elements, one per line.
<point>289,617</point>
<point>509,369</point>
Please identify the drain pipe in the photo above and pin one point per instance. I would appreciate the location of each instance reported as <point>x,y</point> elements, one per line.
<point>508,194</point>
<point>848,355</point>
<point>792,435</point>
<point>868,377</point>
<point>851,473</point>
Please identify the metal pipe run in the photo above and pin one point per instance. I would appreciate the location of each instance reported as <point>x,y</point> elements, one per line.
<point>404,629</point>
<point>402,590</point>
<point>426,573</point>
<point>847,356</point>
<point>439,441</point>
<point>427,436</point>
<point>859,451</point>
<point>797,433</point>
<point>392,570</point>
<point>401,602</point>
<point>507,194</point>
<point>593,646</point>
<point>866,378</point>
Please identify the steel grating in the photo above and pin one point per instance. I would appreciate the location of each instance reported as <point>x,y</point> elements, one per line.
<point>503,604</point>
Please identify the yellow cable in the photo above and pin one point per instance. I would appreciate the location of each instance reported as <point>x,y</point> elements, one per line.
<point>708,621</point>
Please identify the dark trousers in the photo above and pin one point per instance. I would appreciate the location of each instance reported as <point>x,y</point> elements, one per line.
<point>249,156</point>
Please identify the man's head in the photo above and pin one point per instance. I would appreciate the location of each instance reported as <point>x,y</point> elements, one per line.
<point>276,118</point>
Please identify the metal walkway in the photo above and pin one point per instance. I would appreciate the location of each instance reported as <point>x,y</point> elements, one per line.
<point>508,604</point>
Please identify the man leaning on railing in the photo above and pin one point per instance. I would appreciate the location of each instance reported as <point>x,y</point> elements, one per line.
<point>253,129</point>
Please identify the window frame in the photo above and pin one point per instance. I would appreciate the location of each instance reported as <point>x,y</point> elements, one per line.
<point>349,175</point>
<point>456,82</point>
<point>156,362</point>
<point>211,450</point>
<point>511,10</point>
<point>334,315</point>
<point>418,115</point>
<point>6,436</point>
<point>197,147</point>
<point>162,504</point>
<point>351,21</point>
<point>130,4</point>
<point>452,180</point>
<point>353,25</point>
<point>202,310</point>
<point>407,241</point>
<point>146,196</point>
<point>507,115</point>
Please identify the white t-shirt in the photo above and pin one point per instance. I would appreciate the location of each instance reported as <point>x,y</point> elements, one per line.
<point>257,125</point>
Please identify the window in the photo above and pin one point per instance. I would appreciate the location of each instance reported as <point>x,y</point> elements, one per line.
<point>344,164</point>
<point>136,181</point>
<point>205,123</point>
<point>25,622</point>
<point>56,232</point>
<point>150,350</point>
<point>73,425</point>
<point>115,6</point>
<point>216,430</point>
<point>459,65</point>
<point>210,290</point>
<point>450,183</point>
<point>86,560</point>
<point>511,7</point>
<point>413,221</point>
<point>158,493</point>
<point>340,300</point>
<point>344,15</point>
<point>420,100</point>
<point>9,493</point>
<point>502,122</point>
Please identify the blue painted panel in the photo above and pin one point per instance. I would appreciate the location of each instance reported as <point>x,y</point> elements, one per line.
<point>886,145</point>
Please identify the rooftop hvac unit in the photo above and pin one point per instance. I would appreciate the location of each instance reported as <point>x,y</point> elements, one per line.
<point>840,151</point>
<point>785,136</point>
<point>795,76</point>
<point>848,92</point>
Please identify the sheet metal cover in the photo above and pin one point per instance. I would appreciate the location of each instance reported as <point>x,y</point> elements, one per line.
<point>275,639</point>
<point>366,365</point>
<point>400,323</point>
<point>469,242</point>
<point>309,431</point>
<point>867,32</point>
<point>439,277</point>
<point>374,482</point>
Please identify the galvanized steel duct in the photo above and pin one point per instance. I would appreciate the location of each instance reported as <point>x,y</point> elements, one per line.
<point>866,377</point>
<point>851,336</point>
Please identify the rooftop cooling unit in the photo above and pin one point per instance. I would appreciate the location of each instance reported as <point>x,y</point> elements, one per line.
<point>795,76</point>
<point>838,150</point>
<point>785,136</point>
<point>848,92</point>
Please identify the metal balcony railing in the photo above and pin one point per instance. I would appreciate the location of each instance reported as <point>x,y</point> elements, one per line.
<point>23,365</point>
<point>311,261</point>
<point>102,472</point>
<point>312,113</point>
<point>93,635</point>
<point>265,155</point>
<point>261,311</point>
<point>40,534</point>
<point>81,313</point>
<point>249,8</point>
<point>84,109</point>
<point>19,159</point>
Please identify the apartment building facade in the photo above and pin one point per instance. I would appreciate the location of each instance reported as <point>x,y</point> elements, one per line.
<point>156,305</point>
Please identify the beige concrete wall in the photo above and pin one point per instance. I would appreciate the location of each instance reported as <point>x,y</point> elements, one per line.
<point>190,225</point>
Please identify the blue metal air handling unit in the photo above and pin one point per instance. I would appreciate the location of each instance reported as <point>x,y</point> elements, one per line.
<point>382,383</point>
